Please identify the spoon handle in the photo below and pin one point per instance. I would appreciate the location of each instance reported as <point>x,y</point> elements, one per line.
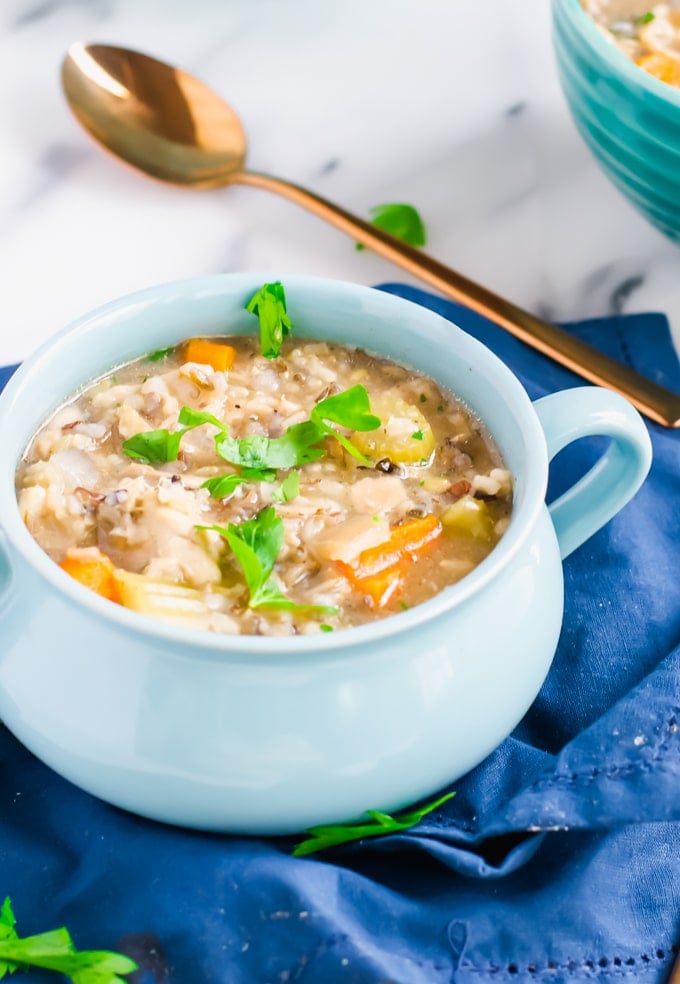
<point>656,402</point>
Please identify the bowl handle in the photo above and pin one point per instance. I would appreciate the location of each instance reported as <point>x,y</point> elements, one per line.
<point>614,479</point>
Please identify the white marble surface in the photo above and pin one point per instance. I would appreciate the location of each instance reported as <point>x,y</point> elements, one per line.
<point>450,105</point>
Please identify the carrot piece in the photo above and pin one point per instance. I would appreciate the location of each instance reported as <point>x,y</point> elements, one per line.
<point>378,571</point>
<point>414,536</point>
<point>94,570</point>
<point>378,587</point>
<point>221,357</point>
<point>661,66</point>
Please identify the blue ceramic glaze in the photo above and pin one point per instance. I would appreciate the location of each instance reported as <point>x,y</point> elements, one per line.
<point>273,735</point>
<point>629,119</point>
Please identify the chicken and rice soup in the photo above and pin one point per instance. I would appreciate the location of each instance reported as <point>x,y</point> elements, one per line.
<point>311,488</point>
<point>649,34</point>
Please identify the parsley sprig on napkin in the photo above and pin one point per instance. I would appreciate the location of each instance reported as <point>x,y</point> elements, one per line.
<point>56,951</point>
<point>378,824</point>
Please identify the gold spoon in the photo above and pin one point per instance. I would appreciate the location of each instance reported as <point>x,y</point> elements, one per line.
<point>171,126</point>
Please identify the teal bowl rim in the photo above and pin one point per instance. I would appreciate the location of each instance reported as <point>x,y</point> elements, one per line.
<point>619,63</point>
<point>346,642</point>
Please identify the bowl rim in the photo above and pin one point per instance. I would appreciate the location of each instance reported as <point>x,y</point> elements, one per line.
<point>617,60</point>
<point>226,647</point>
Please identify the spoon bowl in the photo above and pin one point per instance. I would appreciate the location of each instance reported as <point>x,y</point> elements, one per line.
<point>156,117</point>
<point>169,125</point>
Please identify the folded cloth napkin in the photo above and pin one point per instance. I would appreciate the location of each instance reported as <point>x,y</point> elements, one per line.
<point>558,858</point>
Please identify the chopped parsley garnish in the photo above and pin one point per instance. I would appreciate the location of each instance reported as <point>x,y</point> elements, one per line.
<point>195,418</point>
<point>256,544</point>
<point>160,354</point>
<point>222,486</point>
<point>422,398</point>
<point>260,457</point>
<point>379,824</point>
<point>156,447</point>
<point>400,220</point>
<point>269,304</point>
<point>350,409</point>
<point>56,951</point>
<point>272,453</point>
<point>440,408</point>
<point>288,489</point>
<point>417,435</point>
<point>645,18</point>
<point>326,628</point>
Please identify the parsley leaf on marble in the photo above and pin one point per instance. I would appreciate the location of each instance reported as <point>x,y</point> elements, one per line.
<point>56,951</point>
<point>256,544</point>
<point>269,304</point>
<point>400,220</point>
<point>378,824</point>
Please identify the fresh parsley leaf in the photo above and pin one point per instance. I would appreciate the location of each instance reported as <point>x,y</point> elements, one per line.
<point>417,435</point>
<point>259,474</point>
<point>379,824</point>
<point>350,409</point>
<point>645,18</point>
<point>400,220</point>
<point>269,304</point>
<point>288,489</point>
<point>272,597</point>
<point>258,452</point>
<point>326,628</point>
<point>160,354</point>
<point>154,447</point>
<point>222,486</point>
<point>56,951</point>
<point>195,418</point>
<point>158,446</point>
<point>256,544</point>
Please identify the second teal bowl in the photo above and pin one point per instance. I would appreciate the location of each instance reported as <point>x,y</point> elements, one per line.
<point>629,120</point>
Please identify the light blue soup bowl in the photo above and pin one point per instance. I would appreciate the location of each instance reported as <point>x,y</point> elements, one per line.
<point>271,735</point>
<point>629,119</point>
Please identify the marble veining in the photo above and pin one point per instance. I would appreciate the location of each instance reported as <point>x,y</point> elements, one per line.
<point>453,107</point>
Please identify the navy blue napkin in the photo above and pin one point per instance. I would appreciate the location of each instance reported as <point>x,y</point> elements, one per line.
<point>559,857</point>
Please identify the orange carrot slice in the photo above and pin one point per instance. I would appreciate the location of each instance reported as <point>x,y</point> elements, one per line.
<point>661,66</point>
<point>94,570</point>
<point>378,571</point>
<point>208,353</point>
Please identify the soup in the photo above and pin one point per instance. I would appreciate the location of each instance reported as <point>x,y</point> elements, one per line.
<point>648,35</point>
<point>311,489</point>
